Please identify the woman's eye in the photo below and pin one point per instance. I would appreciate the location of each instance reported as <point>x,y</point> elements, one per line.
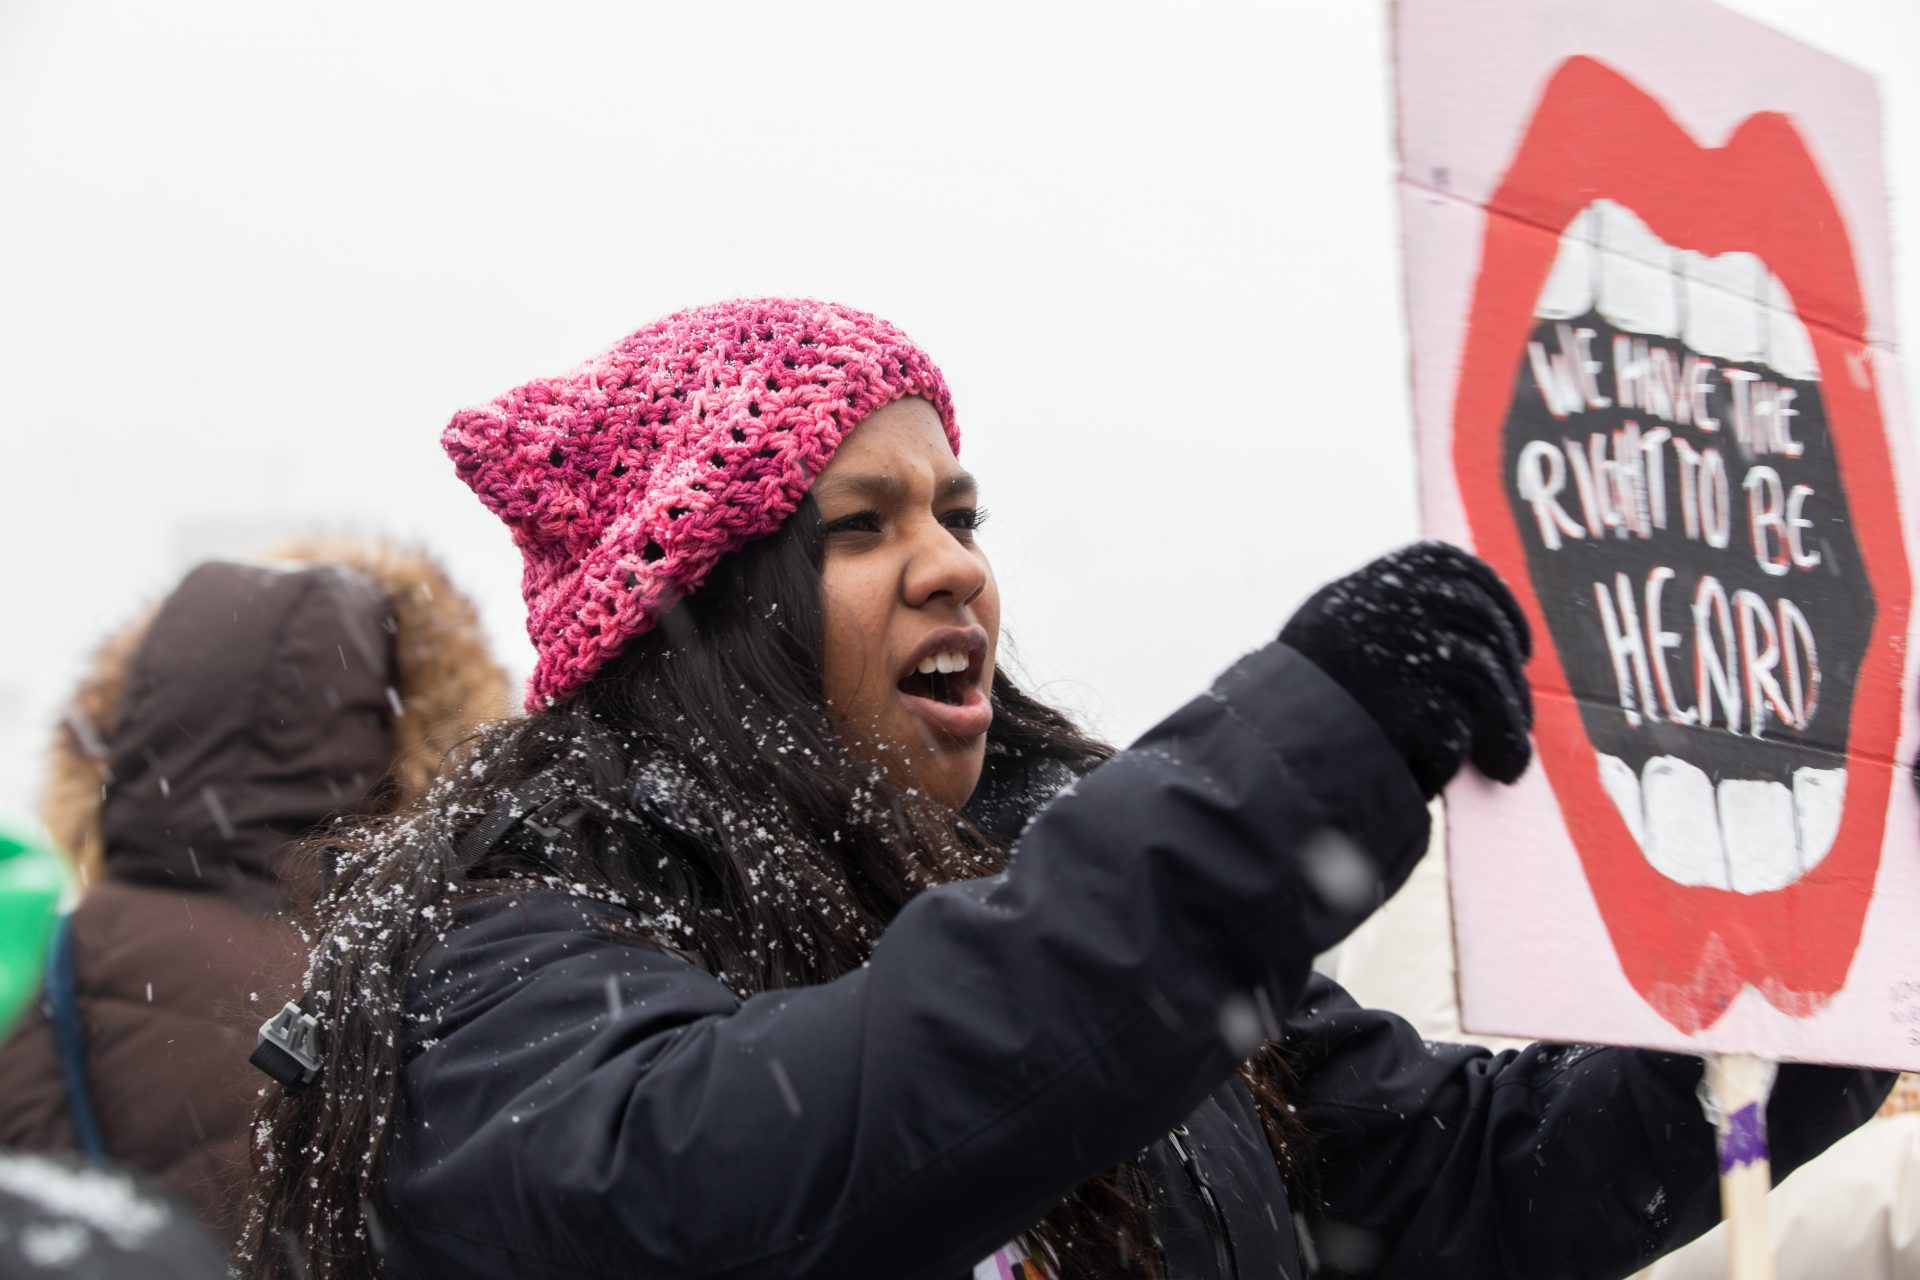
<point>964,519</point>
<point>858,522</point>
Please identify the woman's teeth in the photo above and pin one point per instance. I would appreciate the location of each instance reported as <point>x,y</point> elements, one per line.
<point>944,663</point>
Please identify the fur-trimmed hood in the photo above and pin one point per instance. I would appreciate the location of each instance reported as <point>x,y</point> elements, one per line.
<point>413,678</point>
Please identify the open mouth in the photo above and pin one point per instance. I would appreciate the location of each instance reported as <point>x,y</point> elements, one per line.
<point>945,678</point>
<point>1709,525</point>
<point>942,684</point>
<point>1669,442</point>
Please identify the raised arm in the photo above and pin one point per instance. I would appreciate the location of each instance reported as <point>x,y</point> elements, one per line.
<point>1440,1160</point>
<point>1009,1038</point>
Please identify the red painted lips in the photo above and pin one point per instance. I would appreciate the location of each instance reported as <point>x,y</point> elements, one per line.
<point>1688,949</point>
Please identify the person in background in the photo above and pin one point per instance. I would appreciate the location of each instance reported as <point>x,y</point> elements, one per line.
<point>62,1215</point>
<point>72,1217</point>
<point>258,702</point>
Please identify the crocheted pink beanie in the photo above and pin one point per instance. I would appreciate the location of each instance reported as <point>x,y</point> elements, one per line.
<point>626,479</point>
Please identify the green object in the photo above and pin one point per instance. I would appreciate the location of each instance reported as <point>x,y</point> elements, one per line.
<point>32,879</point>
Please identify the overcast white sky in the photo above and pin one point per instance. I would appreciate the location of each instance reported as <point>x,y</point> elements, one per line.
<point>252,258</point>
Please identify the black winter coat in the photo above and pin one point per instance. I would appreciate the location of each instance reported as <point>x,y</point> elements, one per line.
<point>581,1107</point>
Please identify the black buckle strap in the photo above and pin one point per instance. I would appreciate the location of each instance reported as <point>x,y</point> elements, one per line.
<point>541,807</point>
<point>521,802</point>
<point>288,1049</point>
<point>289,1044</point>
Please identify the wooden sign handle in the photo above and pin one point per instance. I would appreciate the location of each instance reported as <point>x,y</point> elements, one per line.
<point>1735,1096</point>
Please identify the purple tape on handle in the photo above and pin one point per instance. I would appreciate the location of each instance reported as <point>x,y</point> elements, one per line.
<point>1745,1140</point>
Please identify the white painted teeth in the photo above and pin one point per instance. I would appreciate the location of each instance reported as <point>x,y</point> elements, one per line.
<point>1730,307</point>
<point>1617,776</point>
<point>1569,289</point>
<point>944,663</point>
<point>1756,817</point>
<point>1636,289</point>
<point>1682,838</point>
<point>1724,301</point>
<point>1746,835</point>
<point>1789,345</point>
<point>1818,797</point>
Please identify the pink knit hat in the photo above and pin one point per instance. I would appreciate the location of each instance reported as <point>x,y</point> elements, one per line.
<point>626,479</point>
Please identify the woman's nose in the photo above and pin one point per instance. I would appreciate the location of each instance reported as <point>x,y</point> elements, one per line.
<point>939,564</point>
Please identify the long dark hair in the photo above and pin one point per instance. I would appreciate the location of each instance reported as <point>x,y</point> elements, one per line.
<point>728,808</point>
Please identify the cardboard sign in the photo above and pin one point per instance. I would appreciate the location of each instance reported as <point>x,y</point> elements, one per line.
<point>1648,285</point>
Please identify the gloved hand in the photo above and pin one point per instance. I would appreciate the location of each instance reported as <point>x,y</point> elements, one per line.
<point>1432,644</point>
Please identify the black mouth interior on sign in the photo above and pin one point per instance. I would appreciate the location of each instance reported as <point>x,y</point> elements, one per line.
<point>1833,598</point>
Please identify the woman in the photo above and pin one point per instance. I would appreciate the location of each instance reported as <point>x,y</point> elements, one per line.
<point>788,937</point>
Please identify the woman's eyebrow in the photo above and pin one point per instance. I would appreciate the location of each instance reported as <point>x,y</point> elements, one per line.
<point>890,489</point>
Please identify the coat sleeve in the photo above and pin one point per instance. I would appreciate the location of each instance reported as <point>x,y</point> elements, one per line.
<point>1438,1160</point>
<point>600,1109</point>
<point>1854,1212</point>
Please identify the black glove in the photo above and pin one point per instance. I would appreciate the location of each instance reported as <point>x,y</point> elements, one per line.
<point>1432,644</point>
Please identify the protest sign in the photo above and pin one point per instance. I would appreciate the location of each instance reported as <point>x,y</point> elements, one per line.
<point>1648,290</point>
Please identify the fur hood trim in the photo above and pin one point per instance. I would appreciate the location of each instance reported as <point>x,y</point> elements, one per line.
<point>447,682</point>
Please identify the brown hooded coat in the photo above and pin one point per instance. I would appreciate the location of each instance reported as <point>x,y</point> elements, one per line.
<point>257,703</point>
